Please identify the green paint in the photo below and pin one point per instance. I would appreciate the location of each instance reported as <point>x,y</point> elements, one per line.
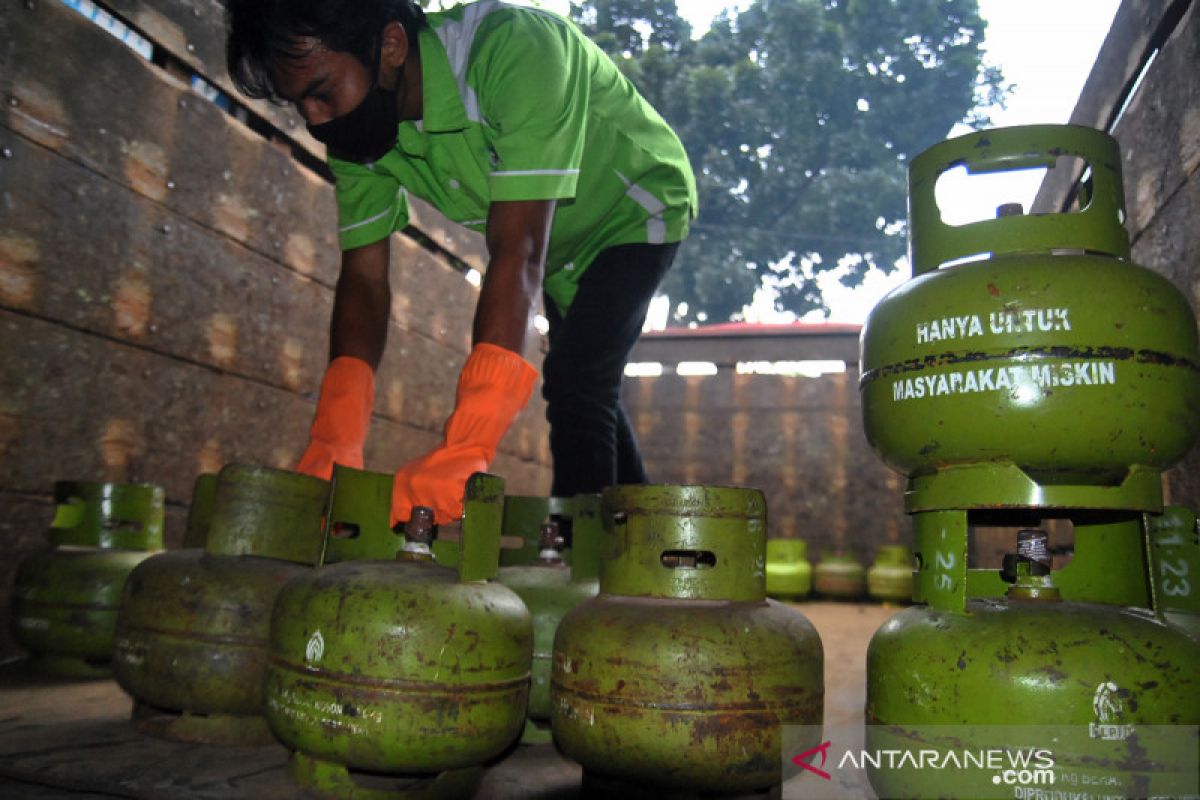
<point>192,630</point>
<point>65,598</point>
<point>269,513</point>
<point>550,588</point>
<point>403,667</point>
<point>1175,567</point>
<point>199,519</point>
<point>789,575</point>
<point>890,578</point>
<point>1031,384</point>
<point>840,576</point>
<point>679,674</point>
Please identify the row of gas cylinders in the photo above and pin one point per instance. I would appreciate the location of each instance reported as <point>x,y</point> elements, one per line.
<point>634,628</point>
<point>1028,372</point>
<point>838,576</point>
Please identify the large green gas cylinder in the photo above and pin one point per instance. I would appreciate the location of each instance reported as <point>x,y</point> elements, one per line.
<point>839,575</point>
<point>789,575</point>
<point>191,642</point>
<point>550,588</point>
<point>681,672</point>
<point>65,598</point>
<point>399,678</point>
<point>1048,379</point>
<point>1032,668</point>
<point>890,578</point>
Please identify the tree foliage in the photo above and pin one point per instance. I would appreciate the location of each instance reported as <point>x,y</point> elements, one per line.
<point>799,117</point>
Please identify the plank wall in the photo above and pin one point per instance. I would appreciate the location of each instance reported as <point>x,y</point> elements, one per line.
<point>167,272</point>
<point>798,439</point>
<point>1145,90</point>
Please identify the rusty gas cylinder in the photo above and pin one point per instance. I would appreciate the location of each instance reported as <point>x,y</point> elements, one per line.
<point>550,587</point>
<point>681,672</point>
<point>839,575</point>
<point>191,640</point>
<point>401,676</point>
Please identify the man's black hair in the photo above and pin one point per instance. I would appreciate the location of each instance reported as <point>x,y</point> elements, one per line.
<point>263,31</point>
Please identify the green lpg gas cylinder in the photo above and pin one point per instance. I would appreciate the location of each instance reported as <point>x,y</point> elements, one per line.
<point>65,598</point>
<point>1175,559</point>
<point>1034,670</point>
<point>191,642</point>
<point>1053,361</point>
<point>1050,379</point>
<point>399,678</point>
<point>890,577</point>
<point>550,588</point>
<point>789,575</point>
<point>840,576</point>
<point>523,519</point>
<point>680,673</point>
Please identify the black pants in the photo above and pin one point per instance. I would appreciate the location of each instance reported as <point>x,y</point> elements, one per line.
<point>591,441</point>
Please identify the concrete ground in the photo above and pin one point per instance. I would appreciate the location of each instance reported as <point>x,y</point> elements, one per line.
<point>73,740</point>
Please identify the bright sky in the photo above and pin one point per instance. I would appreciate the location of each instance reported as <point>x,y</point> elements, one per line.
<point>1045,48</point>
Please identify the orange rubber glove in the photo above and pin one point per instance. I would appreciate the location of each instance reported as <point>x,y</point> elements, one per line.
<point>494,386</point>
<point>339,428</point>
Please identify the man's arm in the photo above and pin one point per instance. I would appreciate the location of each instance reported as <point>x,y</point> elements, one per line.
<point>362,304</point>
<point>496,381</point>
<point>518,234</point>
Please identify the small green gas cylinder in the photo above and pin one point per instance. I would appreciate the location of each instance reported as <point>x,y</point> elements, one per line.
<point>550,588</point>
<point>65,598</point>
<point>840,576</point>
<point>681,672</point>
<point>191,641</point>
<point>399,678</point>
<point>890,578</point>
<point>523,518</point>
<point>1047,379</point>
<point>789,575</point>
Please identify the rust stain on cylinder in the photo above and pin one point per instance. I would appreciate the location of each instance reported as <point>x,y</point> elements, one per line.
<point>19,279</point>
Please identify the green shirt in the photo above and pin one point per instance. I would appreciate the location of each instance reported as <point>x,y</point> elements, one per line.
<point>520,105</point>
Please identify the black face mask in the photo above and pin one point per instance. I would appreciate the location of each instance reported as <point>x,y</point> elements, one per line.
<point>366,132</point>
